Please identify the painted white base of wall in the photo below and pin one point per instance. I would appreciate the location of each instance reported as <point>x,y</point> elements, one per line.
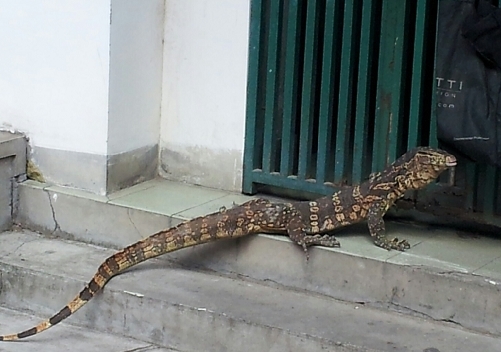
<point>72,169</point>
<point>100,174</point>
<point>220,169</point>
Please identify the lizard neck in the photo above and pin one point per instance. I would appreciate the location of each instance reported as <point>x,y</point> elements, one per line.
<point>398,178</point>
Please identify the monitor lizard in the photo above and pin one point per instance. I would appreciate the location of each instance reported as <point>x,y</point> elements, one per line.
<point>306,222</point>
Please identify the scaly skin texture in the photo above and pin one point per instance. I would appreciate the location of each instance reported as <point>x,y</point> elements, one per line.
<point>303,222</point>
<point>371,200</point>
<point>255,216</point>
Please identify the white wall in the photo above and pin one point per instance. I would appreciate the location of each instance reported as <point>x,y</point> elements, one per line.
<point>84,89</point>
<point>54,62</point>
<point>204,91</point>
<point>83,80</point>
<point>135,74</point>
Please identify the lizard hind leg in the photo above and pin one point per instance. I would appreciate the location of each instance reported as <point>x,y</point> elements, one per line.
<point>297,233</point>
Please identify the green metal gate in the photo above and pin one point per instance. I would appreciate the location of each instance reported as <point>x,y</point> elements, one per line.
<point>339,88</point>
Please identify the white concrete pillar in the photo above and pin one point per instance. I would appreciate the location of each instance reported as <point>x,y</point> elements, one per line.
<point>136,48</point>
<point>82,79</point>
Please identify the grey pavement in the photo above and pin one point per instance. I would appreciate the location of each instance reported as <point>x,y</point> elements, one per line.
<point>66,338</point>
<point>191,310</point>
<point>446,275</point>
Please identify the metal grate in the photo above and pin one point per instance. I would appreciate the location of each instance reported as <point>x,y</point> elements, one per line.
<point>339,88</point>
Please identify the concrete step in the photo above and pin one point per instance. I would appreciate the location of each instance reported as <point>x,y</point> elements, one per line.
<point>446,275</point>
<point>187,310</point>
<point>68,338</point>
<point>12,169</point>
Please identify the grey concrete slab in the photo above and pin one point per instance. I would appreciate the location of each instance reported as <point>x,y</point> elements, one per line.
<point>448,295</point>
<point>197,311</point>
<point>133,189</point>
<point>13,145</point>
<point>79,215</point>
<point>413,282</point>
<point>6,192</point>
<point>67,338</point>
<point>169,198</point>
<point>80,193</point>
<point>464,254</point>
<point>12,167</point>
<point>228,201</point>
<point>34,207</point>
<point>491,270</point>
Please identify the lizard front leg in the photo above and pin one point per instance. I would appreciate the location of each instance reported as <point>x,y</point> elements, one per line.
<point>377,229</point>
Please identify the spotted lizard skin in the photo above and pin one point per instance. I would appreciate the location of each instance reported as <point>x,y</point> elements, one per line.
<point>306,223</point>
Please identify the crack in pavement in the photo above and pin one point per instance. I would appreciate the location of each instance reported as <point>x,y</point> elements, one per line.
<point>19,247</point>
<point>133,223</point>
<point>56,224</point>
<point>143,349</point>
<point>426,315</point>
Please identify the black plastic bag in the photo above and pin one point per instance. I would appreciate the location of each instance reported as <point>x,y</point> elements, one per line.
<point>468,80</point>
<point>483,30</point>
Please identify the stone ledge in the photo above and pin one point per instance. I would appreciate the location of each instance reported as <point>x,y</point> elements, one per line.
<point>12,168</point>
<point>14,145</point>
<point>372,276</point>
<point>199,311</point>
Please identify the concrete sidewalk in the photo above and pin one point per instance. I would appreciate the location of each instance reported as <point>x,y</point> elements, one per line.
<point>67,338</point>
<point>190,310</point>
<point>446,275</point>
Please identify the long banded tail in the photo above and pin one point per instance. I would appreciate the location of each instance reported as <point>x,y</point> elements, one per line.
<point>223,224</point>
<point>136,253</point>
<point>79,301</point>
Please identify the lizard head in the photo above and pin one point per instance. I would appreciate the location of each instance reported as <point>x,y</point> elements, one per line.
<point>426,164</point>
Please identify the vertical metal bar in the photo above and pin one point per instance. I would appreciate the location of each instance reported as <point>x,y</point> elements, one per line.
<point>252,94</point>
<point>271,79</point>
<point>390,83</point>
<point>307,101</point>
<point>326,89</point>
<point>290,88</point>
<point>345,93</point>
<point>470,185</point>
<point>433,140</point>
<point>497,191</point>
<point>363,112</point>
<point>489,185</point>
<point>417,82</point>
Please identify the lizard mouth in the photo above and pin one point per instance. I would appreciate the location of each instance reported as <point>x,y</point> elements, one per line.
<point>450,161</point>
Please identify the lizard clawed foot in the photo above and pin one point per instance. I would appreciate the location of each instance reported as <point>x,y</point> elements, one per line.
<point>322,240</point>
<point>393,243</point>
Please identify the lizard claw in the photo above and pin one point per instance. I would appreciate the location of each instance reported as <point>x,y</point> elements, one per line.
<point>393,243</point>
<point>310,240</point>
<point>402,245</point>
<point>305,248</point>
